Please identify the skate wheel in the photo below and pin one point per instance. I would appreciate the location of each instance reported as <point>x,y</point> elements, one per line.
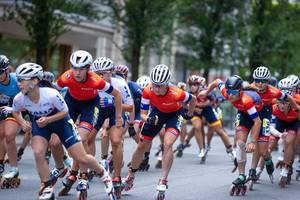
<point>64,191</point>
<point>243,191</point>
<point>251,185</point>
<point>237,192</point>
<point>82,195</point>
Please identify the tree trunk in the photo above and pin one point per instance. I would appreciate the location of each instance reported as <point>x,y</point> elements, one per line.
<point>135,60</point>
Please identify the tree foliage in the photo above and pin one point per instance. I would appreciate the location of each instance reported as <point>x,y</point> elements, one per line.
<point>46,21</point>
<point>144,25</point>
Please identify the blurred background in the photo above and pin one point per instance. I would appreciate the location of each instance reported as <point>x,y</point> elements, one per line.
<point>213,38</point>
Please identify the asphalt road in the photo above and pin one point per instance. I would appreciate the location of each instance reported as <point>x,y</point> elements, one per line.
<point>188,180</point>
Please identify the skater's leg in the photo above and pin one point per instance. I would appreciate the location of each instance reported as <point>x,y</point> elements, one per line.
<point>167,159</point>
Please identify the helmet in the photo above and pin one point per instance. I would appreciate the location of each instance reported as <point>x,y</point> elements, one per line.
<point>273,81</point>
<point>143,81</point>
<point>181,85</point>
<point>160,74</point>
<point>285,84</point>
<point>102,64</point>
<point>48,76</point>
<point>81,59</point>
<point>4,62</point>
<point>122,69</point>
<point>294,80</point>
<point>261,73</point>
<point>234,82</point>
<point>195,79</point>
<point>29,70</point>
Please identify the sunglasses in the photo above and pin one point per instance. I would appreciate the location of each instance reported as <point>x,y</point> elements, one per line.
<point>20,79</point>
<point>101,73</point>
<point>233,92</point>
<point>80,68</point>
<point>261,80</point>
<point>2,71</point>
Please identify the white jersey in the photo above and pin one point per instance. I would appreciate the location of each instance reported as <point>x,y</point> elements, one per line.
<point>122,86</point>
<point>49,103</point>
<point>4,99</point>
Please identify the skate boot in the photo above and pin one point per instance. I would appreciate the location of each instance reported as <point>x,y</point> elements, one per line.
<point>158,165</point>
<point>110,163</point>
<point>2,166</point>
<point>90,175</point>
<point>202,156</point>
<point>252,178</point>
<point>283,177</point>
<point>144,166</point>
<point>235,165</point>
<point>20,154</point>
<point>229,152</point>
<point>161,189</point>
<point>298,171</point>
<point>117,183</point>
<point>68,162</point>
<point>57,173</point>
<point>186,144</point>
<point>68,183</point>
<point>259,170</point>
<point>289,177</point>
<point>238,186</point>
<point>179,150</point>
<point>280,162</point>
<point>82,187</point>
<point>46,191</point>
<point>106,179</point>
<point>270,169</point>
<point>127,182</point>
<point>11,179</point>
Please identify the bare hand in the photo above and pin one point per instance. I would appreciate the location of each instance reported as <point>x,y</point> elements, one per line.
<point>251,147</point>
<point>42,122</point>
<point>203,93</point>
<point>26,126</point>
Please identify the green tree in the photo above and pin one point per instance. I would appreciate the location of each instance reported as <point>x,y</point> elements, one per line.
<point>208,26</point>
<point>144,25</point>
<point>275,36</point>
<point>46,21</point>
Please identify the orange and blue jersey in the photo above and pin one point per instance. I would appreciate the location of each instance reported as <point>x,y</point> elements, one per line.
<point>83,90</point>
<point>249,102</point>
<point>270,94</point>
<point>170,102</point>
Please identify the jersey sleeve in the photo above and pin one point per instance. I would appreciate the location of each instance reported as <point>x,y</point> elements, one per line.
<point>145,102</point>
<point>18,103</point>
<point>58,101</point>
<point>185,97</point>
<point>222,88</point>
<point>61,81</point>
<point>105,86</point>
<point>250,106</point>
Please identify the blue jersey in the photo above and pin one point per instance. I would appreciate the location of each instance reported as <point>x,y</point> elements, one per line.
<point>136,93</point>
<point>11,89</point>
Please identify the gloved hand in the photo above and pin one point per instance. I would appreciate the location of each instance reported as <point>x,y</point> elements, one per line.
<point>152,120</point>
<point>131,130</point>
<point>6,110</point>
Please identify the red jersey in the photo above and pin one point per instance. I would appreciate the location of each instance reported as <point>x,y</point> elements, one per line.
<point>249,102</point>
<point>297,98</point>
<point>270,94</point>
<point>85,90</point>
<point>289,117</point>
<point>170,102</point>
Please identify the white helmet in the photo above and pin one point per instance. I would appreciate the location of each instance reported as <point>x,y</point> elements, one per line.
<point>29,70</point>
<point>102,64</point>
<point>143,81</point>
<point>294,80</point>
<point>285,85</point>
<point>81,59</point>
<point>261,73</point>
<point>48,76</point>
<point>160,75</point>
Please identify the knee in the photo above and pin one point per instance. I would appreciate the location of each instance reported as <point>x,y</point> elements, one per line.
<point>83,160</point>
<point>39,154</point>
<point>167,145</point>
<point>9,138</point>
<point>241,151</point>
<point>116,142</point>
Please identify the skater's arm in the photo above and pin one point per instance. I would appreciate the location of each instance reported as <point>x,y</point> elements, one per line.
<point>210,87</point>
